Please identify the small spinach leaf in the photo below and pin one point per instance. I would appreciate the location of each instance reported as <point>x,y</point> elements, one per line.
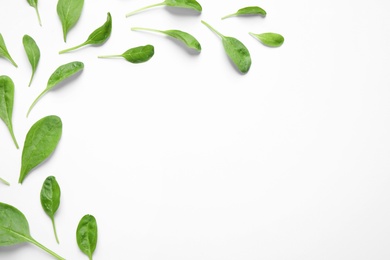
<point>7,103</point>
<point>99,36</point>
<point>41,141</point>
<point>33,54</point>
<point>14,229</point>
<point>4,181</point>
<point>34,3</point>
<point>269,39</point>
<point>60,74</point>
<point>50,199</point>
<point>236,51</point>
<point>69,12</point>
<point>189,40</point>
<point>250,10</point>
<point>87,235</point>
<point>191,4</point>
<point>135,55</point>
<point>4,52</point>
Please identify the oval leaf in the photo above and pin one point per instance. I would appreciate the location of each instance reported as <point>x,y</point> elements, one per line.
<point>41,141</point>
<point>69,12</point>
<point>250,10</point>
<point>34,3</point>
<point>192,4</point>
<point>4,52</point>
<point>62,73</point>
<point>269,39</point>
<point>33,54</point>
<point>7,104</point>
<point>238,53</point>
<point>139,54</point>
<point>50,199</point>
<point>87,235</point>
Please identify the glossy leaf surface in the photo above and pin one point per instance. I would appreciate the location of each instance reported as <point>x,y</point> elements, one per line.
<point>87,235</point>
<point>50,199</point>
<point>62,73</point>
<point>138,54</point>
<point>69,12</point>
<point>4,51</point>
<point>7,90</point>
<point>33,54</point>
<point>41,141</point>
<point>269,39</point>
<point>250,10</point>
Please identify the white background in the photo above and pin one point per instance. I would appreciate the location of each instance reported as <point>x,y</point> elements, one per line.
<point>184,158</point>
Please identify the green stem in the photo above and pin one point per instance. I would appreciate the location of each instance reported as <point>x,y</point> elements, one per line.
<point>35,101</point>
<point>11,130</point>
<point>143,8</point>
<point>227,16</point>
<point>32,240</point>
<point>73,48</point>
<point>4,181</point>
<point>32,75</point>
<point>39,17</point>
<point>109,56</point>
<point>145,29</point>
<point>55,229</point>
<point>212,29</point>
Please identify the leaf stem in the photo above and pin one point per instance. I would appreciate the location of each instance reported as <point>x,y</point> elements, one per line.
<point>143,8</point>
<point>35,101</point>
<point>32,240</point>
<point>32,75</point>
<point>145,29</point>
<point>4,181</point>
<point>55,229</point>
<point>212,29</point>
<point>73,48</point>
<point>229,15</point>
<point>109,56</point>
<point>39,17</point>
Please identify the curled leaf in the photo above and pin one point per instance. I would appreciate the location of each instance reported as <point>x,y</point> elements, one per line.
<point>34,3</point>
<point>33,54</point>
<point>250,10</point>
<point>138,54</point>
<point>87,235</point>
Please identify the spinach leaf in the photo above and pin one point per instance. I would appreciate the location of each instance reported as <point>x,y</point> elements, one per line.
<point>14,229</point>
<point>236,51</point>
<point>191,4</point>
<point>50,199</point>
<point>184,37</point>
<point>135,55</point>
<point>41,141</point>
<point>4,52</point>
<point>269,39</point>
<point>69,12</point>
<point>87,235</point>
<point>250,10</point>
<point>60,74</point>
<point>34,3</point>
<point>4,181</point>
<point>7,103</point>
<point>33,54</point>
<point>99,36</point>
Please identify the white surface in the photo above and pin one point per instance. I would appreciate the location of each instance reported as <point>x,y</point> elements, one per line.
<point>184,158</point>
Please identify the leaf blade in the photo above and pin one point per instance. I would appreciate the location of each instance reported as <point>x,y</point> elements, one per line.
<point>33,54</point>
<point>69,12</point>
<point>269,39</point>
<point>4,51</point>
<point>7,104</point>
<point>87,235</point>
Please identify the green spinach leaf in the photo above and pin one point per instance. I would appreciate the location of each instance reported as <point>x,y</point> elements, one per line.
<point>87,235</point>
<point>4,52</point>
<point>269,39</point>
<point>41,141</point>
<point>250,10</point>
<point>189,40</point>
<point>7,103</point>
<point>69,12</point>
<point>99,36</point>
<point>50,199</point>
<point>14,229</point>
<point>33,54</point>
<point>135,55</point>
<point>236,51</point>
<point>60,74</point>
<point>34,3</point>
<point>190,4</point>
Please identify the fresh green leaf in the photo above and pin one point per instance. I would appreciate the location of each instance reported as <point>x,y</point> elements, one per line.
<point>41,141</point>
<point>14,229</point>
<point>50,199</point>
<point>87,235</point>
<point>7,104</point>
<point>33,54</point>
<point>269,39</point>
<point>69,12</point>
<point>184,37</point>
<point>99,36</point>
<point>250,10</point>
<point>236,51</point>
<point>34,3</point>
<point>4,181</point>
<point>190,4</point>
<point>4,52</point>
<point>135,55</point>
<point>60,74</point>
